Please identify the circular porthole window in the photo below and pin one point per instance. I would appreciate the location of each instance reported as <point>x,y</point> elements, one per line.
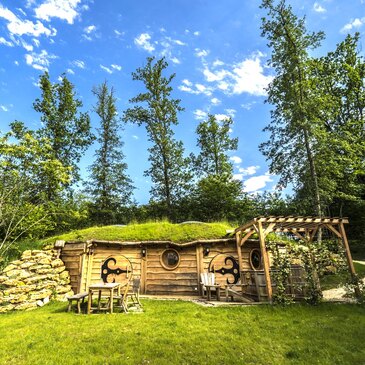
<point>256,259</point>
<point>170,259</point>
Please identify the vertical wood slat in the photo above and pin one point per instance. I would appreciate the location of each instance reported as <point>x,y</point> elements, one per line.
<point>265,261</point>
<point>200,266</point>
<point>144,271</point>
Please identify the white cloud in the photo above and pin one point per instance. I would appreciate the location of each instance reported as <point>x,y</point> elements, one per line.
<point>236,159</point>
<point>36,42</point>
<point>20,27</point>
<point>16,63</point>
<point>231,112</point>
<point>79,64</point>
<point>200,114</point>
<point>356,23</point>
<point>4,108</point>
<point>70,71</point>
<point>90,29</point>
<point>65,10</point>
<point>116,67</point>
<point>187,82</point>
<point>39,61</point>
<point>197,33</point>
<point>217,63</point>
<point>216,75</point>
<point>221,117</point>
<point>248,106</point>
<point>318,8</point>
<point>246,76</point>
<point>117,33</point>
<point>135,137</point>
<point>247,171</point>
<point>249,77</point>
<point>215,101</point>
<point>201,52</point>
<point>256,183</point>
<point>175,60</point>
<point>143,41</point>
<point>107,69</point>
<point>27,46</point>
<point>4,42</point>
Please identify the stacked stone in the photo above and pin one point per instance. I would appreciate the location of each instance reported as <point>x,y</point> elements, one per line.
<point>33,281</point>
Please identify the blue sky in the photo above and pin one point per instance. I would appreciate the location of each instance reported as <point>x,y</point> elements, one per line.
<point>214,47</point>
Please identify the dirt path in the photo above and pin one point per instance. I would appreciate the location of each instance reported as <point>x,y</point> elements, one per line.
<point>339,294</point>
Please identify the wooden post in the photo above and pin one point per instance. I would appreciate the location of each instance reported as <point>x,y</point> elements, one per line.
<point>239,255</point>
<point>265,261</point>
<point>144,270</point>
<point>200,266</point>
<point>349,257</point>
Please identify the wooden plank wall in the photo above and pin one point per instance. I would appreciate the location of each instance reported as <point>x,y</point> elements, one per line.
<point>85,267</point>
<point>218,252</point>
<point>72,255</point>
<point>180,281</point>
<point>101,253</point>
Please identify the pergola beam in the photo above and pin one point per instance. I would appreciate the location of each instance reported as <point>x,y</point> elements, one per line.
<point>305,228</point>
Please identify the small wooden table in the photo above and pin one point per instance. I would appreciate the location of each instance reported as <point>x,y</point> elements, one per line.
<point>110,287</point>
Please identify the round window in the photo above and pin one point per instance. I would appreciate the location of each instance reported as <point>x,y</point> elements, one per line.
<point>170,259</point>
<point>256,259</point>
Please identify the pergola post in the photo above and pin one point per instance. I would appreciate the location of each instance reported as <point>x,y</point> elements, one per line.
<point>265,258</point>
<point>349,257</point>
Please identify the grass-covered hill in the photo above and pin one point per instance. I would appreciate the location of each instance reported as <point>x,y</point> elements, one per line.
<point>152,231</point>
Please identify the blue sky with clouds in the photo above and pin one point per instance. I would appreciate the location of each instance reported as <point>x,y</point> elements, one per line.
<point>214,47</point>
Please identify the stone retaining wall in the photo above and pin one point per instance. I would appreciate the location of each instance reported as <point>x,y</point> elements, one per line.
<point>33,281</point>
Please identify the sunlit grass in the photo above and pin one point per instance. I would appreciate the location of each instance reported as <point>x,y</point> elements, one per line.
<point>162,231</point>
<point>178,332</point>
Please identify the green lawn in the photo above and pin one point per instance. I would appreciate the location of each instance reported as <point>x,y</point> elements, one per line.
<point>176,332</point>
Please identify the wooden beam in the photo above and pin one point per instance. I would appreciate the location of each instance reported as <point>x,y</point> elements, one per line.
<point>239,243</point>
<point>296,233</point>
<point>265,261</point>
<point>245,237</point>
<point>334,230</point>
<point>269,229</point>
<point>349,257</point>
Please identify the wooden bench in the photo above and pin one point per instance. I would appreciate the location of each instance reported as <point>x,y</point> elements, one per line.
<point>77,297</point>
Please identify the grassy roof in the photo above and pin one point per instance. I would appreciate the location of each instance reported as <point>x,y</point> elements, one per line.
<point>153,231</point>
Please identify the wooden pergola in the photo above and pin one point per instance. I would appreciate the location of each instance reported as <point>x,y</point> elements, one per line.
<point>305,228</point>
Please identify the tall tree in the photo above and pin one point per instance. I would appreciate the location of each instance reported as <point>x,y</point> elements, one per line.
<point>24,208</point>
<point>157,110</point>
<point>217,194</point>
<point>214,143</point>
<point>67,129</point>
<point>109,185</point>
<point>292,145</point>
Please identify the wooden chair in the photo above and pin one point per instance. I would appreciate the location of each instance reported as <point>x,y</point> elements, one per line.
<point>133,294</point>
<point>209,286</point>
<point>122,297</point>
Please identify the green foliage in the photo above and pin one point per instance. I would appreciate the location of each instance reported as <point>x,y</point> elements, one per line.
<point>152,231</point>
<point>109,185</point>
<point>67,130</point>
<point>24,208</point>
<point>177,332</point>
<point>292,128</point>
<point>158,112</point>
<point>214,143</point>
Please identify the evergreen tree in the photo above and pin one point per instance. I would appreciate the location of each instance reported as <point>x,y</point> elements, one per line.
<point>109,184</point>
<point>293,144</point>
<point>67,129</point>
<point>158,112</point>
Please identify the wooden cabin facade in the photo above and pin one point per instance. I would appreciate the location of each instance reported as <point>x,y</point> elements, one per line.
<point>165,268</point>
